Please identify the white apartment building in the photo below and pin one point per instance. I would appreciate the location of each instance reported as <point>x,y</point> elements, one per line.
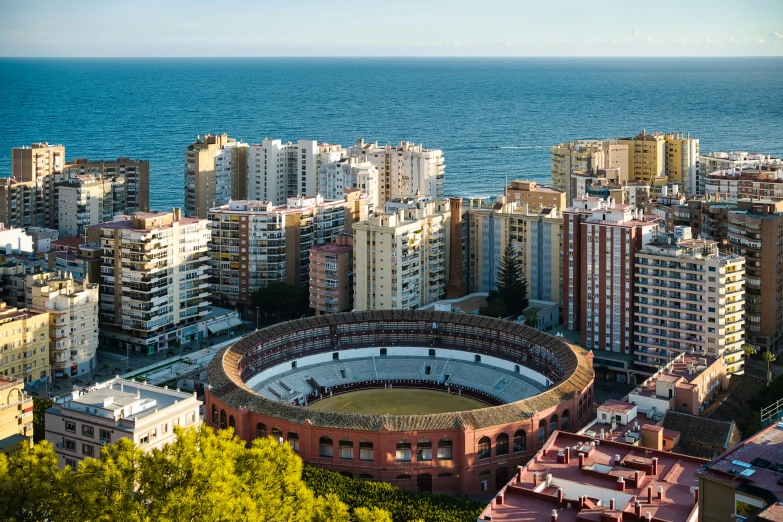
<point>80,423</point>
<point>86,200</point>
<point>254,243</point>
<point>335,177</point>
<point>401,256</point>
<point>73,319</point>
<point>15,240</point>
<point>751,183</point>
<point>728,162</point>
<point>404,169</point>
<point>277,171</point>
<point>155,279</point>
<point>688,298</point>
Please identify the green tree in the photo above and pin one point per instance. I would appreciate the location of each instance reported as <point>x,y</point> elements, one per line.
<point>768,358</point>
<point>509,297</point>
<point>39,407</point>
<point>283,300</point>
<point>749,351</point>
<point>531,318</point>
<point>495,306</point>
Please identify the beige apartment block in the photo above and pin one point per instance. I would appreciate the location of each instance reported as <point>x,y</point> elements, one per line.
<point>28,197</point>
<point>216,170</point>
<point>73,319</point>
<point>404,169</point>
<point>331,275</point>
<point>682,155</point>
<point>85,200</point>
<point>254,243</point>
<point>80,423</point>
<point>535,196</point>
<point>401,256</point>
<point>154,279</point>
<point>16,415</point>
<point>24,338</point>
<point>647,154</point>
<point>133,174</point>
<point>580,156</point>
<point>688,298</point>
<point>536,237</point>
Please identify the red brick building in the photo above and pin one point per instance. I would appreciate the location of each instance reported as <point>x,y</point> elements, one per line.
<point>458,452</point>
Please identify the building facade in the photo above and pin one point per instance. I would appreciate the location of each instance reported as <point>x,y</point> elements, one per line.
<point>25,344</point>
<point>401,256</point>
<point>761,183</point>
<point>331,275</point>
<point>254,243</point>
<point>404,169</point>
<point>16,415</point>
<point>215,172</point>
<point>535,195</point>
<point>688,298</point>
<point>80,423</point>
<point>85,200</point>
<point>600,242</point>
<point>132,174</point>
<point>682,160</point>
<point>154,279</point>
<point>28,197</point>
<point>348,173</point>
<point>277,171</point>
<point>73,320</point>
<point>731,161</point>
<point>536,237</point>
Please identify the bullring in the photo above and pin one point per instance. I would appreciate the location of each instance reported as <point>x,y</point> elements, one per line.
<point>461,452</point>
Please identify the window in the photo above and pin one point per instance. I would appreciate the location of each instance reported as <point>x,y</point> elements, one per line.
<point>365,476</point>
<point>325,448</point>
<point>501,444</point>
<point>484,451</point>
<point>403,477</point>
<point>423,450</point>
<point>346,450</point>
<point>165,428</point>
<point>215,416</point>
<point>335,356</point>
<point>223,420</point>
<point>70,426</point>
<point>191,418</point>
<point>88,431</point>
<point>712,269</point>
<point>552,423</point>
<point>260,430</point>
<point>478,358</point>
<point>432,353</point>
<point>403,451</point>
<point>293,441</point>
<point>366,451</point>
<point>71,463</point>
<point>564,420</point>
<point>541,432</point>
<point>70,445</point>
<point>144,440</point>
<point>154,433</point>
<point>88,449</point>
<point>105,436</point>
<point>520,441</point>
<point>383,351</point>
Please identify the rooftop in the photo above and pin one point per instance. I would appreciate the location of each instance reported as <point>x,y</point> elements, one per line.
<point>685,367</point>
<point>756,462</point>
<point>594,477</point>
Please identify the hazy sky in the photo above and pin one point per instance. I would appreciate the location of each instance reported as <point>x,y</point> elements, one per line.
<point>394,28</point>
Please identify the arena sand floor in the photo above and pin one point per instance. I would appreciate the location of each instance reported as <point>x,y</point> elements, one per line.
<point>399,401</point>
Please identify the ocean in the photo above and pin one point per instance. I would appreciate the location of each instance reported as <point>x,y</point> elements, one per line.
<point>494,118</point>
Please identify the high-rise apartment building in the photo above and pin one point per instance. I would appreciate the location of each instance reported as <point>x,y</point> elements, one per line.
<point>401,256</point>
<point>134,175</point>
<point>731,161</point>
<point>331,275</point>
<point>154,279</point>
<point>28,197</point>
<point>73,319</point>
<point>600,242</point>
<point>24,337</point>
<point>404,169</point>
<point>16,415</point>
<point>750,228</point>
<point>535,196</point>
<point>85,200</point>
<point>254,243</point>
<point>347,173</point>
<point>647,154</point>
<point>689,298</point>
<point>682,159</point>
<point>586,157</point>
<point>536,237</point>
<point>216,171</point>
<point>756,183</point>
<point>277,171</point>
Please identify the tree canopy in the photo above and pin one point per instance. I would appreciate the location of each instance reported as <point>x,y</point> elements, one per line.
<point>283,300</point>
<point>510,294</point>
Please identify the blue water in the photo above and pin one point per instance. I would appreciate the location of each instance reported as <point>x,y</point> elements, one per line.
<point>493,118</point>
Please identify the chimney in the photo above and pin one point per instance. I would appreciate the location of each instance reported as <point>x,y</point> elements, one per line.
<point>456,285</point>
<point>696,495</point>
<point>559,496</point>
<point>637,475</point>
<point>554,515</point>
<point>581,502</point>
<point>617,459</point>
<point>655,465</point>
<point>568,455</point>
<point>611,504</point>
<point>649,494</point>
<point>535,477</point>
<point>637,509</point>
<point>519,473</point>
<point>660,492</point>
<point>620,484</point>
<point>581,460</point>
<point>499,500</point>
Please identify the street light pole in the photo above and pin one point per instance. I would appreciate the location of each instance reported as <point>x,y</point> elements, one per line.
<point>257,313</point>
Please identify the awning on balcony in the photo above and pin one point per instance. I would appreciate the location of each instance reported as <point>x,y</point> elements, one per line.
<point>217,326</point>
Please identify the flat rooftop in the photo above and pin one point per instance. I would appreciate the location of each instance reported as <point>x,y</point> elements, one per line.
<point>530,495</point>
<point>676,370</point>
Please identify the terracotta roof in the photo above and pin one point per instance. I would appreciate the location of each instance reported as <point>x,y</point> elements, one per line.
<point>615,405</point>
<point>227,385</point>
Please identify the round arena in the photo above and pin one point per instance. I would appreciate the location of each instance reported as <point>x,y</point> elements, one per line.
<point>426,400</point>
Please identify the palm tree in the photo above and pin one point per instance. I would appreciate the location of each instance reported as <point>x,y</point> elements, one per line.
<point>749,351</point>
<point>769,358</point>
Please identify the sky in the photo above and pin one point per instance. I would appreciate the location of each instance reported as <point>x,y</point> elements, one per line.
<point>169,28</point>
